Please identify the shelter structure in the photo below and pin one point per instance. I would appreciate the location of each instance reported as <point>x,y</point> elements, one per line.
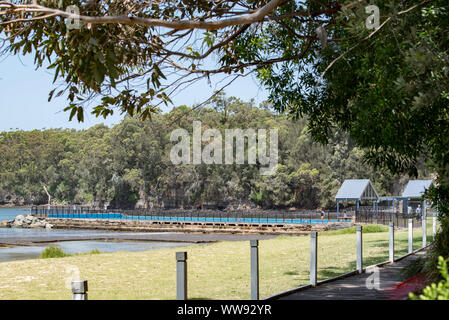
<point>414,191</point>
<point>393,203</point>
<point>356,190</point>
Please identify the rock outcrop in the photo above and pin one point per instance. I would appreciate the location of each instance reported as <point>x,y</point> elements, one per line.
<point>28,221</point>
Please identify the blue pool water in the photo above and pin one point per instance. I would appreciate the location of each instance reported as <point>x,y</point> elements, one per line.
<point>119,216</point>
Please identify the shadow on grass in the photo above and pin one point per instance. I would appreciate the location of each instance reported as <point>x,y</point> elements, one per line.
<point>331,272</point>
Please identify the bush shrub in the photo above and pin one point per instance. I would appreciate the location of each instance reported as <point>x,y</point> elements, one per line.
<point>53,252</point>
<point>436,291</point>
<point>94,251</point>
<point>371,228</point>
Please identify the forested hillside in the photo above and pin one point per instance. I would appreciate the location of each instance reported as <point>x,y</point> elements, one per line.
<point>128,165</point>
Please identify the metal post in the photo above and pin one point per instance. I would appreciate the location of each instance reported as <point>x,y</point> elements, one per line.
<point>254,269</point>
<point>359,249</point>
<point>313,257</point>
<point>410,235</point>
<point>79,290</point>
<point>434,227</point>
<point>338,209</point>
<point>181,275</point>
<point>391,248</point>
<point>424,224</point>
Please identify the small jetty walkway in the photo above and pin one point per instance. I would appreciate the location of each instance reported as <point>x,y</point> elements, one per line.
<point>355,288</point>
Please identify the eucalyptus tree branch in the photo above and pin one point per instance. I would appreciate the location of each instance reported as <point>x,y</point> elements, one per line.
<point>210,97</point>
<point>260,63</point>
<point>211,49</point>
<point>253,17</point>
<point>128,46</point>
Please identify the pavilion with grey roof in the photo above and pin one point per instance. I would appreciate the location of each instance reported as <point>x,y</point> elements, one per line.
<point>414,191</point>
<point>363,190</point>
<point>356,190</point>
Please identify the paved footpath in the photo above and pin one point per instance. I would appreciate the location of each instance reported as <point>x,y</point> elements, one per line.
<point>354,287</point>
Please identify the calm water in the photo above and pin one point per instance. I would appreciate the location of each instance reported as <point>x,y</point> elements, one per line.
<point>21,252</point>
<point>9,214</point>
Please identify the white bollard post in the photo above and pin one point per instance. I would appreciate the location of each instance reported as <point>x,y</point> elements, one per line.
<point>391,247</point>
<point>359,249</point>
<point>79,290</point>
<point>410,235</point>
<point>181,275</point>
<point>254,269</point>
<point>424,230</point>
<point>313,257</point>
<point>434,227</point>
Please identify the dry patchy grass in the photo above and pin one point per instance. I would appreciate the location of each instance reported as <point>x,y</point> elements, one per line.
<point>216,271</point>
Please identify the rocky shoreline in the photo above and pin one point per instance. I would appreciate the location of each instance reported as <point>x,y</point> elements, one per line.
<point>28,221</point>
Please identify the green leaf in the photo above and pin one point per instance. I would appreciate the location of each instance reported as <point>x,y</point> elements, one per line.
<point>72,114</point>
<point>99,76</point>
<point>93,42</point>
<point>80,114</point>
<point>50,95</point>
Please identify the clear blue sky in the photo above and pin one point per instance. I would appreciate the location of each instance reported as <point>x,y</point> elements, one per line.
<point>24,94</point>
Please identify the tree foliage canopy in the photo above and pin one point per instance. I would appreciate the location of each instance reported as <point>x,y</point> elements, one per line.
<point>133,55</point>
<point>129,164</point>
<point>387,87</point>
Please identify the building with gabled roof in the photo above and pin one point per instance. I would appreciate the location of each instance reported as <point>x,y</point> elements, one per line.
<point>356,190</point>
<point>415,189</point>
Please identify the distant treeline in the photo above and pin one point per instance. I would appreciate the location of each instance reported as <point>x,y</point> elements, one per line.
<point>129,165</point>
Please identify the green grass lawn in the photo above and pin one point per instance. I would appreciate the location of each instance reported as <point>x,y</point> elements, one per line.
<point>216,271</point>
